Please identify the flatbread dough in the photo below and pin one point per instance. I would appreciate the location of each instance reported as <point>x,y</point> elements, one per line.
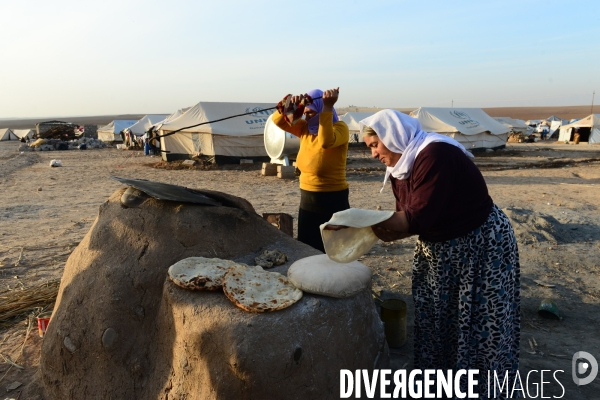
<point>256,290</point>
<point>349,244</point>
<point>321,275</point>
<point>200,273</point>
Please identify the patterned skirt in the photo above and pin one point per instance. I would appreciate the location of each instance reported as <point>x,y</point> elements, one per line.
<point>466,293</point>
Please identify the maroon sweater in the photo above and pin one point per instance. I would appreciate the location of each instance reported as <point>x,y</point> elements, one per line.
<point>445,196</point>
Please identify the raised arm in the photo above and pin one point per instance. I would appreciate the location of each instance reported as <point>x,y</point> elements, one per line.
<point>331,135</point>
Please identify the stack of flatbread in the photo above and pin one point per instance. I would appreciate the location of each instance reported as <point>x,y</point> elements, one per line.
<point>256,290</point>
<point>200,273</point>
<point>250,288</point>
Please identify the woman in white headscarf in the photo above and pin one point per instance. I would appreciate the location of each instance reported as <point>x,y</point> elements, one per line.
<point>466,274</point>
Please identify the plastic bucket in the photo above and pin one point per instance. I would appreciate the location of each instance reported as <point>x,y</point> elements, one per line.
<point>393,315</point>
<point>43,321</point>
<point>549,309</point>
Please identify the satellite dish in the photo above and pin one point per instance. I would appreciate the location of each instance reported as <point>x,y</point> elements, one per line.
<point>279,144</point>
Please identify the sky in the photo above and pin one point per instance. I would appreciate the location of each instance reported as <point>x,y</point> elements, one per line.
<point>79,58</point>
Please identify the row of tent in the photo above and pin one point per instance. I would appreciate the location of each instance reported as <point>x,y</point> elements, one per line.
<point>15,134</point>
<point>235,137</point>
<point>112,131</point>
<point>472,127</point>
<point>476,130</point>
<point>548,121</point>
<point>244,136</point>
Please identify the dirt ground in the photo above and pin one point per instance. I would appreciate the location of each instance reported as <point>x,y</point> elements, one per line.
<point>549,190</point>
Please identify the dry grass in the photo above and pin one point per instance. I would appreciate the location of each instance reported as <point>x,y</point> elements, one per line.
<point>17,302</point>
<point>18,353</point>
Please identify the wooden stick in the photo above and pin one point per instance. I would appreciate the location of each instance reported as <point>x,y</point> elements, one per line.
<point>9,361</point>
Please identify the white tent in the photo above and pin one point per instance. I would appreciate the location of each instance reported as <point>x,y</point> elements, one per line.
<point>515,125</point>
<point>472,127</point>
<point>553,118</point>
<point>171,117</point>
<point>111,132</point>
<point>235,137</point>
<point>24,133</point>
<point>7,134</point>
<point>351,119</point>
<point>145,123</point>
<point>554,128</point>
<point>588,128</point>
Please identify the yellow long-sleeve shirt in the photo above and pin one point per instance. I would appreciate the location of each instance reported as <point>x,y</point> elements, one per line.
<point>322,157</point>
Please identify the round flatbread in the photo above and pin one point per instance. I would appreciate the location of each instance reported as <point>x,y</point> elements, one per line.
<point>321,275</point>
<point>200,273</point>
<point>349,244</point>
<point>256,290</point>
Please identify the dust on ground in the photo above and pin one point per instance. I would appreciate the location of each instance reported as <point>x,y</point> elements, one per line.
<point>549,190</point>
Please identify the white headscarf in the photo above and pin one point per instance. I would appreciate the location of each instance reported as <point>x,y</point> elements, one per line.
<point>403,134</point>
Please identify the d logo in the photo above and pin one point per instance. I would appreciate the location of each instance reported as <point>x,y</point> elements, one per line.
<point>581,367</point>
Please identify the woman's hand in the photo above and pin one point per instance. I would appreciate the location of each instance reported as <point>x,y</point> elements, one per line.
<point>330,97</point>
<point>282,104</point>
<point>297,99</point>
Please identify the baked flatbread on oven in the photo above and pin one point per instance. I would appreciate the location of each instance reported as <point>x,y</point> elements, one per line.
<point>200,273</point>
<point>256,290</point>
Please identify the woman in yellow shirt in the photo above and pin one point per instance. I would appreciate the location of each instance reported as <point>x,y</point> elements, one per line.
<point>321,161</point>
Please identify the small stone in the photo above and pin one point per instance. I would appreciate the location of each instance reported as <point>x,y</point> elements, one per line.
<point>378,208</point>
<point>69,344</point>
<point>39,189</point>
<point>13,386</point>
<point>109,337</point>
<point>314,303</point>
